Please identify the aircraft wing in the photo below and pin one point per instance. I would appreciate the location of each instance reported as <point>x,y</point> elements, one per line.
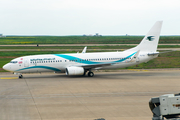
<point>95,65</point>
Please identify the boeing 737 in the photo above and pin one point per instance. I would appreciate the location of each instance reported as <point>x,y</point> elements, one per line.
<point>81,63</point>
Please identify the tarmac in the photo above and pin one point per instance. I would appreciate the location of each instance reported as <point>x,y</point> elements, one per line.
<point>120,95</point>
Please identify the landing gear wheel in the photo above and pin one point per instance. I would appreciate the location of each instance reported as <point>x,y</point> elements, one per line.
<point>20,76</point>
<point>90,74</point>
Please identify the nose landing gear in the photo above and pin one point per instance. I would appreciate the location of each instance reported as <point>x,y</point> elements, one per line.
<point>20,76</point>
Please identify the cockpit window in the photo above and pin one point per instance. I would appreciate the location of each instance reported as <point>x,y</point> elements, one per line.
<point>13,62</point>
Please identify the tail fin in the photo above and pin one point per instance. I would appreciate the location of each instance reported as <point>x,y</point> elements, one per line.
<point>150,41</point>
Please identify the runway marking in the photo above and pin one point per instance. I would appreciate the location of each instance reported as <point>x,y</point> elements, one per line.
<point>138,70</point>
<point>9,78</point>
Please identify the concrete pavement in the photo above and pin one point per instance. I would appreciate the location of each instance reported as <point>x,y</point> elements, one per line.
<point>110,95</point>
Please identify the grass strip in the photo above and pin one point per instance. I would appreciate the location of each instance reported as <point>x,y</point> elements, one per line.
<point>11,40</point>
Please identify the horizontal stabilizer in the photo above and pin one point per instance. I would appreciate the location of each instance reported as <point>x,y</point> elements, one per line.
<point>157,53</point>
<point>152,54</point>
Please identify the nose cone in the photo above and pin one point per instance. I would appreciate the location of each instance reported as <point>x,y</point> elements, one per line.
<point>6,67</point>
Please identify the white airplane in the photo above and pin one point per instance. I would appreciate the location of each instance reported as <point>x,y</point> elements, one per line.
<point>80,63</point>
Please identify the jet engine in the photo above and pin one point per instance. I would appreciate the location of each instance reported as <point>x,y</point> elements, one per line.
<point>74,71</point>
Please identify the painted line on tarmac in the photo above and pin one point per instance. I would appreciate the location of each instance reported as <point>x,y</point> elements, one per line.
<point>9,78</point>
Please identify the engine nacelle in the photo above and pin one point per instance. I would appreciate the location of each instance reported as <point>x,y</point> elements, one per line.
<point>74,71</point>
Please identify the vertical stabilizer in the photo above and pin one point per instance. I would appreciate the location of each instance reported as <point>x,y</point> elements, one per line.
<point>150,41</point>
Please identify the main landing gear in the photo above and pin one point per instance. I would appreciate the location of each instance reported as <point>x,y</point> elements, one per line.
<point>90,74</point>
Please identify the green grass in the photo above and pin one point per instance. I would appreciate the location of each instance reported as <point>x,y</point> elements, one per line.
<point>67,47</point>
<point>166,60</point>
<point>82,40</point>
<point>160,62</point>
<point>3,62</point>
<point>81,47</point>
<point>24,53</point>
<point>168,46</point>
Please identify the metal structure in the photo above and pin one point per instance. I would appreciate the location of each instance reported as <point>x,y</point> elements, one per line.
<point>165,107</point>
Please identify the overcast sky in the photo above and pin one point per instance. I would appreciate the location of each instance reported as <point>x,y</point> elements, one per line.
<point>78,17</point>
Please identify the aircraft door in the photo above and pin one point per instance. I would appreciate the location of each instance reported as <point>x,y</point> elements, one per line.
<point>26,62</point>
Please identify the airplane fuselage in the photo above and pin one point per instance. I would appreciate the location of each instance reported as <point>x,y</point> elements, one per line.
<point>59,62</point>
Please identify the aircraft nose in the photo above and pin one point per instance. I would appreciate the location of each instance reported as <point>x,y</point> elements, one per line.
<point>6,67</point>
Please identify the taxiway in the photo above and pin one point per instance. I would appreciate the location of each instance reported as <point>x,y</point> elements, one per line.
<point>110,95</point>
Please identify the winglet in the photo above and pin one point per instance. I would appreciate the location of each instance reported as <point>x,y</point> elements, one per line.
<point>84,50</point>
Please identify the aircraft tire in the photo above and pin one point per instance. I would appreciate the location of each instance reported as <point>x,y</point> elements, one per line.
<point>90,74</point>
<point>20,76</point>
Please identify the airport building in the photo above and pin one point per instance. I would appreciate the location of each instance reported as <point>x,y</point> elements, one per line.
<point>1,35</point>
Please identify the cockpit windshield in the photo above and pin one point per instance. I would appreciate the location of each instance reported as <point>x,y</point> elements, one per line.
<point>14,62</point>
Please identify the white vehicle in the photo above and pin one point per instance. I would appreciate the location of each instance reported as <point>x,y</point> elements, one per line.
<point>80,63</point>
